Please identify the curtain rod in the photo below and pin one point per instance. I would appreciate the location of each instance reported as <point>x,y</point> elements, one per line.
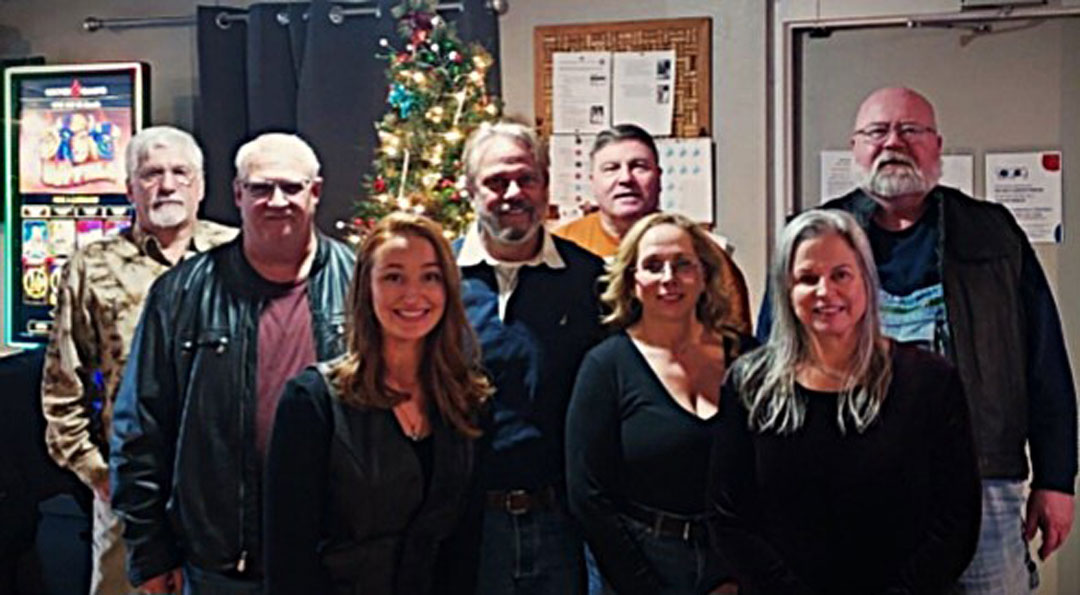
<point>337,16</point>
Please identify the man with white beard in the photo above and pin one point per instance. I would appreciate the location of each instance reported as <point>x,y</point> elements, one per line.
<point>959,277</point>
<point>99,300</point>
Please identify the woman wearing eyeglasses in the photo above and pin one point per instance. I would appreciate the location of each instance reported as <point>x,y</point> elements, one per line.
<point>371,454</point>
<point>843,462</point>
<point>639,426</point>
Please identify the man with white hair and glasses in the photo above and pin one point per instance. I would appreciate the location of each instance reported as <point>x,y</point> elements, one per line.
<point>99,300</point>
<point>219,337</point>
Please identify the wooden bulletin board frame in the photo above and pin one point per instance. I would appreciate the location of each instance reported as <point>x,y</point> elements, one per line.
<point>691,38</point>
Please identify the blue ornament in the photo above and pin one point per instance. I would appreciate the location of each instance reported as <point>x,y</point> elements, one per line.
<point>402,99</point>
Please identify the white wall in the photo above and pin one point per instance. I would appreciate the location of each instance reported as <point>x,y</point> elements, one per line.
<point>53,28</point>
<point>739,98</point>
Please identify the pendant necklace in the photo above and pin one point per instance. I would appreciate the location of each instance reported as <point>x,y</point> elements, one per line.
<point>412,422</point>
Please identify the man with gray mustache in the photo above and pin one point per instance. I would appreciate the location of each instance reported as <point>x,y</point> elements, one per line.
<point>959,277</point>
<point>532,299</point>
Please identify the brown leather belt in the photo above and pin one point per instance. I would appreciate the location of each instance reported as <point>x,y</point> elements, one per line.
<point>522,501</point>
<point>668,525</point>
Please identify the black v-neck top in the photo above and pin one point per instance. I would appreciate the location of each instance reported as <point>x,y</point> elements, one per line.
<point>627,437</point>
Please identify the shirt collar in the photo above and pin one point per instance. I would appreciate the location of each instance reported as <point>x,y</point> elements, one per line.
<point>148,243</point>
<point>473,252</point>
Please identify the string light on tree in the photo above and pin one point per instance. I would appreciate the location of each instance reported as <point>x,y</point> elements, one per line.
<point>418,166</point>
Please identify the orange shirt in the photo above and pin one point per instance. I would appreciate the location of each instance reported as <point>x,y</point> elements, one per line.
<point>589,233</point>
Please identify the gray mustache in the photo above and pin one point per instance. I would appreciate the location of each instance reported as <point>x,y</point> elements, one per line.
<point>887,157</point>
<point>508,205</point>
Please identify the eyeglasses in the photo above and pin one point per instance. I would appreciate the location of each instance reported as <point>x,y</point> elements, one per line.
<point>654,269</point>
<point>499,184</point>
<point>154,176</point>
<point>877,133</point>
<point>265,188</point>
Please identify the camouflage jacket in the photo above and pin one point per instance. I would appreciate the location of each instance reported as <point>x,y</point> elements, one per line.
<point>99,302</point>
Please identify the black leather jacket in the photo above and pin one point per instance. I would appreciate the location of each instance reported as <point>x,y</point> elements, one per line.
<point>186,476</point>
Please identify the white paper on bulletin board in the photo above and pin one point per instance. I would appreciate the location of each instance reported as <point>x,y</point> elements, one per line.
<point>581,92</point>
<point>838,176</point>
<point>569,187</point>
<point>1029,185</point>
<point>687,178</point>
<point>644,90</point>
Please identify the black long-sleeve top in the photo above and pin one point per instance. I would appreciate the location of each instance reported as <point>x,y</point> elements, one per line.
<point>628,441</point>
<point>350,507</point>
<point>894,509</point>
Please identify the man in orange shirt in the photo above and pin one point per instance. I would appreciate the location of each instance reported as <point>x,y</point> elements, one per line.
<point>625,181</point>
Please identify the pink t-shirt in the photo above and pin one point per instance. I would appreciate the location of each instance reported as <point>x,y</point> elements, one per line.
<point>286,346</point>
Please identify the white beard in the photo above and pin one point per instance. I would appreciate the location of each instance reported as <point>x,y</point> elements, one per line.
<point>897,180</point>
<point>168,215</point>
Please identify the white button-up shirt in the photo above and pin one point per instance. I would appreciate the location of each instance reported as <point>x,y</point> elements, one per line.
<point>473,253</point>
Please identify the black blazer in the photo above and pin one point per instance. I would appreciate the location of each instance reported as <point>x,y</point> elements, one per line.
<point>347,509</point>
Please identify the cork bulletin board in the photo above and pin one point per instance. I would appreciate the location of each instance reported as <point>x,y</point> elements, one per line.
<point>691,38</point>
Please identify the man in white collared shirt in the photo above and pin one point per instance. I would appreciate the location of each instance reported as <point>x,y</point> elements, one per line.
<point>532,299</point>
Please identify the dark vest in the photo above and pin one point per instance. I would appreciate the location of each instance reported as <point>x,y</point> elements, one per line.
<point>982,251</point>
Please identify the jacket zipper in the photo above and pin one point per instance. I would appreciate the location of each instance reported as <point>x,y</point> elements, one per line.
<point>241,562</point>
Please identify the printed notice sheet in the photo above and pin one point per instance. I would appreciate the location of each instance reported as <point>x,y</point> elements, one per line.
<point>569,188</point>
<point>581,92</point>
<point>838,176</point>
<point>644,90</point>
<point>687,181</point>
<point>1029,185</point>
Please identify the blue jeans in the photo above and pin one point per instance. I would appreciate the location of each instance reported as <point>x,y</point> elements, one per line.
<point>1002,563</point>
<point>202,582</point>
<point>535,553</point>
<point>684,567</point>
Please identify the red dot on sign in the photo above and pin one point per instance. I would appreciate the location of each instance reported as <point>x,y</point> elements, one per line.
<point>1051,161</point>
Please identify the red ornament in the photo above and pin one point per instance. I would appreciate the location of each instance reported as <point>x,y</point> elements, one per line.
<point>455,197</point>
<point>379,185</point>
<point>418,37</point>
<point>446,183</point>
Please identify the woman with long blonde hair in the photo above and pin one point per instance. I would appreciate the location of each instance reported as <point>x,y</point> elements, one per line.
<point>638,430</point>
<point>843,462</point>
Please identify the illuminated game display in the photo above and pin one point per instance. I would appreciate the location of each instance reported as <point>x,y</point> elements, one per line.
<point>64,143</point>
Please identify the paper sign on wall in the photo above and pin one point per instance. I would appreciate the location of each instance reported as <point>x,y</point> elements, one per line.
<point>1029,185</point>
<point>581,92</point>
<point>593,90</point>
<point>569,187</point>
<point>687,181</point>
<point>644,90</point>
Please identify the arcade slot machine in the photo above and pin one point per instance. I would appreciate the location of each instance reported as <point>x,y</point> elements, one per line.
<point>66,129</point>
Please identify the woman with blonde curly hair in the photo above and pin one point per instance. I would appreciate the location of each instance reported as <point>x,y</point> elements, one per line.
<point>371,455</point>
<point>639,427</point>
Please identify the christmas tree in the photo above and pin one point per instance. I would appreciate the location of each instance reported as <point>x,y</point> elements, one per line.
<point>437,96</point>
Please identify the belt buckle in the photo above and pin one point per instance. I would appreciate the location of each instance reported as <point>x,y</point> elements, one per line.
<point>508,504</point>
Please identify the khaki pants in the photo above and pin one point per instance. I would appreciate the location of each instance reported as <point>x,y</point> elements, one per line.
<point>108,553</point>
